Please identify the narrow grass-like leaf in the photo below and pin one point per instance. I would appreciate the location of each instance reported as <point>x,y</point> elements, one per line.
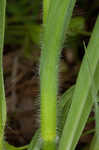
<point>63,108</point>
<point>82,101</point>
<point>2,94</point>
<point>95,98</point>
<point>95,141</point>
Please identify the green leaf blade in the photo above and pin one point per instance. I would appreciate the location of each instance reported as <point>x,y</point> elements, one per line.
<point>80,96</point>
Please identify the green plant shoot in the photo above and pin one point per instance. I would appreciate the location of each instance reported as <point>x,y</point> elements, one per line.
<point>53,36</point>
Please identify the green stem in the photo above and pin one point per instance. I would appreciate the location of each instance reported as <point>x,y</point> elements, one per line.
<point>45,10</point>
<point>54,32</point>
<point>2,94</point>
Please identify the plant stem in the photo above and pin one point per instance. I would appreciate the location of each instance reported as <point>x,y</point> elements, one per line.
<point>45,10</point>
<point>54,32</point>
<point>2,93</point>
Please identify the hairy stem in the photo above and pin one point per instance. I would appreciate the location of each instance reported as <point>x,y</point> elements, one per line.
<point>53,36</point>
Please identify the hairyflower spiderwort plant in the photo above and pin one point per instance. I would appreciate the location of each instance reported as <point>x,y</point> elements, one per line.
<point>56,19</point>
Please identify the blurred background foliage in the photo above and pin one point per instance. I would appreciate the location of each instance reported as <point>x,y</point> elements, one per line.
<point>24,23</point>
